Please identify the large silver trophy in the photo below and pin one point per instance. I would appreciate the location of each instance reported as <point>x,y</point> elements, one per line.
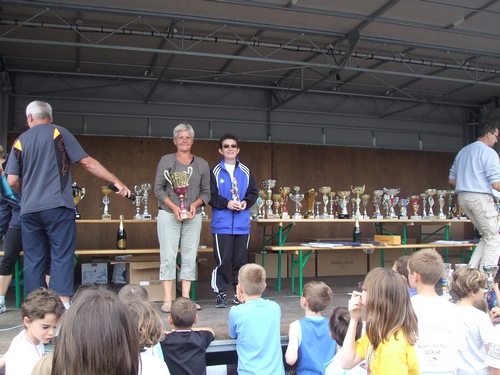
<point>332,195</point>
<point>377,199</point>
<point>343,200</point>
<point>269,184</point>
<point>393,201</point>
<point>430,193</point>
<point>296,198</point>
<point>365,199</point>
<point>138,202</point>
<point>358,190</point>
<point>180,183</point>
<point>424,200</point>
<point>441,194</point>
<point>260,203</point>
<point>145,187</point>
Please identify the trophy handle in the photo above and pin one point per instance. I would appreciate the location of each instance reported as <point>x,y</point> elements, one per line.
<point>166,173</point>
<point>189,173</point>
<point>83,193</point>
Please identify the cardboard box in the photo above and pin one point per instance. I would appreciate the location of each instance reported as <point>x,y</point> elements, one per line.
<point>341,263</point>
<point>390,256</point>
<point>309,269</point>
<point>145,271</point>
<point>94,273</point>
<point>390,240</point>
<point>272,264</point>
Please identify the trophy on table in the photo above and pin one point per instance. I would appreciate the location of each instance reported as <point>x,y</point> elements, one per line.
<point>441,194</point>
<point>343,200</point>
<point>491,270</point>
<point>106,191</point>
<point>309,198</point>
<point>353,207</point>
<point>78,194</point>
<point>393,200</point>
<point>317,210</point>
<point>430,193</point>
<point>325,190</point>
<point>447,280</point>
<point>260,202</point>
<point>277,203</point>
<point>365,198</point>
<point>332,195</point>
<point>145,187</point>
<point>204,215</point>
<point>180,183</point>
<point>296,198</point>
<point>138,202</point>
<point>450,214</point>
<point>415,204</point>
<point>377,199</point>
<point>269,184</point>
<point>424,200</point>
<point>403,212</point>
<point>460,265</point>
<point>284,198</point>
<point>358,190</point>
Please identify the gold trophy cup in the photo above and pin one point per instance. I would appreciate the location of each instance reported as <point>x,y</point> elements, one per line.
<point>180,183</point>
<point>309,199</point>
<point>106,191</point>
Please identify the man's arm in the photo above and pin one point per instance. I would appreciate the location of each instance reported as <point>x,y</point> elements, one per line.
<point>97,169</point>
<point>452,181</point>
<point>14,183</point>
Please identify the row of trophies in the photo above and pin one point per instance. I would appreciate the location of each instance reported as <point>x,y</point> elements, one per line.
<point>141,198</point>
<point>333,202</point>
<point>447,280</point>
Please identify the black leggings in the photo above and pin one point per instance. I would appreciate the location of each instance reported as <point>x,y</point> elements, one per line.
<point>13,246</point>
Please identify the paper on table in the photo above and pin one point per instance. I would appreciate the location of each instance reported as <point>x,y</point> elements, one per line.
<point>450,241</point>
<point>321,244</point>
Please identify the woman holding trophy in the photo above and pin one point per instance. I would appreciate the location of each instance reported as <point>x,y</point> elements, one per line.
<point>182,186</point>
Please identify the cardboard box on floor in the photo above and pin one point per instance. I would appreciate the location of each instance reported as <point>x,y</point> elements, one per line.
<point>341,263</point>
<point>145,271</point>
<point>308,271</point>
<point>272,264</point>
<point>95,273</point>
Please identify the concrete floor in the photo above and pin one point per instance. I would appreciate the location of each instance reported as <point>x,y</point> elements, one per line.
<point>209,316</point>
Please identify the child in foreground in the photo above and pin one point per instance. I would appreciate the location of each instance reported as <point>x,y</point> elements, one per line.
<point>308,341</point>
<point>391,326</point>
<point>255,324</point>
<point>469,284</point>
<point>40,311</point>
<point>401,267</point>
<point>339,322</point>
<point>185,347</point>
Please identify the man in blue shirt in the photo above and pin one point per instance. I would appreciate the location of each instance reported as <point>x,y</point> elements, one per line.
<point>475,171</point>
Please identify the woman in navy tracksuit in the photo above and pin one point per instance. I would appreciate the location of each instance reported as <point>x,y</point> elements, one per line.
<point>233,192</point>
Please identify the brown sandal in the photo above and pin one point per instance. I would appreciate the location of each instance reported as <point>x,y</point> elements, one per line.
<point>166,307</point>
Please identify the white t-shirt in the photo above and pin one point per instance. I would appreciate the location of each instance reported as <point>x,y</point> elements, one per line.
<point>333,367</point>
<point>493,356</point>
<point>22,355</point>
<point>440,335</point>
<point>479,333</point>
<point>151,365</point>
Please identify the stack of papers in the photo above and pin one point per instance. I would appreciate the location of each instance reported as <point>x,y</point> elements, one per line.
<point>322,244</point>
<point>451,242</point>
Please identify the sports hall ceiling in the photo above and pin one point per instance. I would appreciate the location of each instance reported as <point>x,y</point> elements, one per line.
<point>413,52</point>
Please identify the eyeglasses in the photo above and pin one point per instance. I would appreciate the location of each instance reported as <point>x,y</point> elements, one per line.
<point>361,287</point>
<point>496,135</point>
<point>230,146</point>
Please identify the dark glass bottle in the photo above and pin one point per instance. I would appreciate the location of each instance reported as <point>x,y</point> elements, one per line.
<point>121,237</point>
<point>356,234</point>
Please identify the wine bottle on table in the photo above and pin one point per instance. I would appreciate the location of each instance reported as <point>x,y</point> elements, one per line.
<point>356,234</point>
<point>121,237</point>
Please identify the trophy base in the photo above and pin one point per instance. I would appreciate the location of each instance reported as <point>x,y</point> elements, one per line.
<point>147,216</point>
<point>137,217</point>
<point>416,217</point>
<point>184,215</point>
<point>285,215</point>
<point>297,216</point>
<point>366,217</point>
<point>378,217</point>
<point>270,216</point>
<point>106,216</point>
<point>403,218</point>
<point>204,217</point>
<point>441,217</point>
<point>309,215</point>
<point>78,217</point>
<point>344,216</point>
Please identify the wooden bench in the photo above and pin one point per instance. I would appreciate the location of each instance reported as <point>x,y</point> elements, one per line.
<point>304,252</point>
<point>98,252</point>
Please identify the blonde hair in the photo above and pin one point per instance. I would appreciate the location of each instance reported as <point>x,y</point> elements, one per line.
<point>428,263</point>
<point>44,365</point>
<point>466,280</point>
<point>388,307</point>
<point>318,295</point>
<point>252,278</point>
<point>148,321</point>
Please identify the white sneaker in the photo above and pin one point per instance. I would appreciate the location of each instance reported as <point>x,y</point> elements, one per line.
<point>3,308</point>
